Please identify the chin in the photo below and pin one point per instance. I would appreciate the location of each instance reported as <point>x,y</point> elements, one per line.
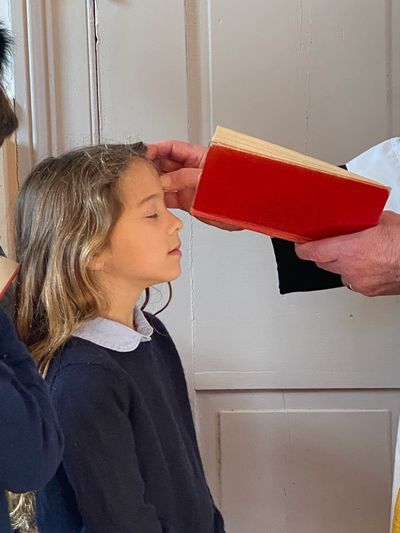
<point>174,275</point>
<point>171,276</point>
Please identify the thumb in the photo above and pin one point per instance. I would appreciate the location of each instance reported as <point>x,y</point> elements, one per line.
<point>184,178</point>
<point>323,251</point>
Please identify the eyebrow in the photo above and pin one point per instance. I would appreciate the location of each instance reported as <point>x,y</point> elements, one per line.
<point>148,198</point>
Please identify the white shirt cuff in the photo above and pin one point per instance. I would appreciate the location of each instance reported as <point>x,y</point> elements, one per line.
<point>381,163</point>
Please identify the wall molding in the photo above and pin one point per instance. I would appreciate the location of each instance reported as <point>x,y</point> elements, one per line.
<point>36,92</point>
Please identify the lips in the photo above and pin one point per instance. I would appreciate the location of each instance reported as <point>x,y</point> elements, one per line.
<point>176,250</point>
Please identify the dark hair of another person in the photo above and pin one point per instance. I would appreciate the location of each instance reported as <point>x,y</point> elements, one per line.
<point>8,119</point>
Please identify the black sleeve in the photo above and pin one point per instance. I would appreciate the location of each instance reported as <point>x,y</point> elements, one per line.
<point>297,275</point>
<point>30,438</point>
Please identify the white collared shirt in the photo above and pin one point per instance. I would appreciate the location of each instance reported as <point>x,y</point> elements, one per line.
<point>114,335</point>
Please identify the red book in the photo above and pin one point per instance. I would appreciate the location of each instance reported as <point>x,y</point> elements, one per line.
<point>256,185</point>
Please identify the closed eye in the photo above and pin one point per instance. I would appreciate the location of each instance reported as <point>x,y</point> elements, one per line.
<point>154,215</point>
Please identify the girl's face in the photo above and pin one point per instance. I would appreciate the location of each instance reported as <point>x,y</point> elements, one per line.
<point>144,248</point>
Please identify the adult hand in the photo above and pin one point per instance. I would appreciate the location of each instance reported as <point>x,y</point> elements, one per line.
<point>180,164</point>
<point>173,155</point>
<point>367,261</point>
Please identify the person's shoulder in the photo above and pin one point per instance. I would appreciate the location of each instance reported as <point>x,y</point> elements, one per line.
<point>83,359</point>
<point>83,370</point>
<point>77,350</point>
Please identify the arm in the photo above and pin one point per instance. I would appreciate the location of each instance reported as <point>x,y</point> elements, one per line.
<point>30,439</point>
<point>369,261</point>
<point>354,262</point>
<point>182,163</point>
<point>100,458</point>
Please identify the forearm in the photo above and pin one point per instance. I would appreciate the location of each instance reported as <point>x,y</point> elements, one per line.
<point>30,439</point>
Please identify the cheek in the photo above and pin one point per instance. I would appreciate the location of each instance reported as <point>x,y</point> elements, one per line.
<point>124,237</point>
<point>135,245</point>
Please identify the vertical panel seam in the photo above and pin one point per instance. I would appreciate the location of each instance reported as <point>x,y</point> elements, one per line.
<point>92,48</point>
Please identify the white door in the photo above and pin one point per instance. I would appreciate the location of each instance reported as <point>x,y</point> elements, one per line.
<point>297,397</point>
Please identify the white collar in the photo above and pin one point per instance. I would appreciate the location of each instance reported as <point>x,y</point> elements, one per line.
<point>114,335</point>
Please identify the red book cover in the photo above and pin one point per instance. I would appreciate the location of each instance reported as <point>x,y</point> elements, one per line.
<point>286,194</point>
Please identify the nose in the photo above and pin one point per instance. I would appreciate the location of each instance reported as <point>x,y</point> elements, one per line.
<point>176,223</point>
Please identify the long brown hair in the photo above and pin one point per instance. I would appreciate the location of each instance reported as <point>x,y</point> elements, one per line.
<point>65,213</point>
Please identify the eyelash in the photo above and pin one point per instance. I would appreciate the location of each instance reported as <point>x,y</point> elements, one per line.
<point>153,216</point>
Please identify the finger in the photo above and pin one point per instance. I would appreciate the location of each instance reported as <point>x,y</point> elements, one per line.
<point>354,285</point>
<point>161,149</point>
<point>179,200</point>
<point>152,151</point>
<point>323,251</point>
<point>331,266</point>
<point>347,283</point>
<point>369,285</point>
<point>187,154</point>
<point>219,225</point>
<point>167,165</point>
<point>367,289</point>
<point>184,178</point>
<point>171,200</point>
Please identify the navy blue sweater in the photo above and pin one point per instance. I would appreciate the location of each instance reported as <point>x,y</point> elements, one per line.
<point>131,462</point>
<point>30,438</point>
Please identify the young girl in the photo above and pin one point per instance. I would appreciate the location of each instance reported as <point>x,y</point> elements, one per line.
<point>93,233</point>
